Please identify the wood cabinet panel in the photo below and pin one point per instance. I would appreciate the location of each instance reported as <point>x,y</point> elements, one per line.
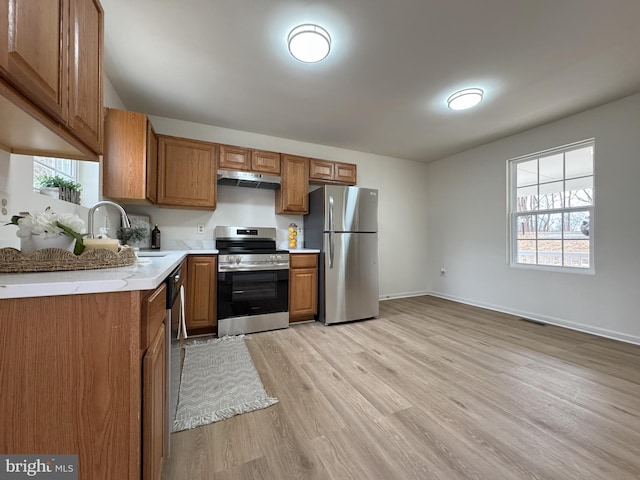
<point>85,71</point>
<point>71,378</point>
<point>326,171</point>
<point>303,287</point>
<point>151,156</point>
<point>346,173</point>
<point>130,171</point>
<point>186,173</point>
<point>244,159</point>
<point>154,407</point>
<point>265,162</point>
<point>27,129</point>
<point>293,194</point>
<point>303,260</point>
<point>37,64</point>
<point>51,77</point>
<point>202,293</point>
<point>321,169</point>
<point>154,310</point>
<point>4,37</point>
<point>234,158</point>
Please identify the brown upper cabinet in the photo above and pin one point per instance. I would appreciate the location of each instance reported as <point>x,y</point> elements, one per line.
<point>86,25</point>
<point>293,194</point>
<point>51,80</point>
<point>265,162</point>
<point>234,158</point>
<point>130,162</point>
<point>326,171</point>
<point>245,159</point>
<point>186,173</point>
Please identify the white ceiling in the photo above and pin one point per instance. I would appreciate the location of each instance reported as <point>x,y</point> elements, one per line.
<point>393,63</point>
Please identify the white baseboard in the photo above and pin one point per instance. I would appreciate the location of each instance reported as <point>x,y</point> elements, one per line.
<point>392,296</point>
<point>580,327</point>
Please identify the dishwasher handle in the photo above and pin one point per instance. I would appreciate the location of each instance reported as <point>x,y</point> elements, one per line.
<point>183,318</point>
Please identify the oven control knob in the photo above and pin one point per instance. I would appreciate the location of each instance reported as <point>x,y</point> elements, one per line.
<point>238,259</point>
<point>279,258</point>
<point>270,258</point>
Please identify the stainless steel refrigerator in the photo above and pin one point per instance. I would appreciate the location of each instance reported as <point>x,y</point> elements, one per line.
<point>343,223</point>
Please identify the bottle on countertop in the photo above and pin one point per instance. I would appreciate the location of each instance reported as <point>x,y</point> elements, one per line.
<point>155,237</point>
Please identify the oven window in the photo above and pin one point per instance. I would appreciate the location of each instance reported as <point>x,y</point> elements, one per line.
<point>252,293</point>
<point>254,286</point>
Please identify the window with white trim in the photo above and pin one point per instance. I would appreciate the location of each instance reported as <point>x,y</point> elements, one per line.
<point>551,208</point>
<point>61,167</point>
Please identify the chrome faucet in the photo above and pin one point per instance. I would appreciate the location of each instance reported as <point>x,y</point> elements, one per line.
<point>92,211</point>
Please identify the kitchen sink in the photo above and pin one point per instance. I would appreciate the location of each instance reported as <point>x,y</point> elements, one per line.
<point>152,254</point>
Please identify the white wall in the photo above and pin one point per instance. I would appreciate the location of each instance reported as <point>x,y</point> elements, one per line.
<point>401,216</point>
<point>467,228</point>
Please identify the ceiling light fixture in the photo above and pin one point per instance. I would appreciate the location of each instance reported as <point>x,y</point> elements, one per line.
<point>309,43</point>
<point>467,98</point>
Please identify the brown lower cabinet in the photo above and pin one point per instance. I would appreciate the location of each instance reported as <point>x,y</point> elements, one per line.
<point>201,296</point>
<point>303,286</point>
<point>154,383</point>
<point>77,378</point>
<point>154,405</point>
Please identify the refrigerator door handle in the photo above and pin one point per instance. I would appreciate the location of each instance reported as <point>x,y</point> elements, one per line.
<point>330,249</point>
<point>330,231</point>
<point>331,226</point>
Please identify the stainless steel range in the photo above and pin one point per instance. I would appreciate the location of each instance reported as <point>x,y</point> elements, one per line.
<point>253,281</point>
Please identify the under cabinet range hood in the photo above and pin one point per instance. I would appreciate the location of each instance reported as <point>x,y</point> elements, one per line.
<point>248,179</point>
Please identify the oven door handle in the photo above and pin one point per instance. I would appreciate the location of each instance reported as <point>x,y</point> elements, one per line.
<point>253,268</point>
<point>330,231</point>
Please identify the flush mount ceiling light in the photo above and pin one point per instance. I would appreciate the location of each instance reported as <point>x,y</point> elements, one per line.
<point>309,43</point>
<point>467,98</point>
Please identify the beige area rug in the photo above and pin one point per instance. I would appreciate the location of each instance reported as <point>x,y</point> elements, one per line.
<point>219,380</point>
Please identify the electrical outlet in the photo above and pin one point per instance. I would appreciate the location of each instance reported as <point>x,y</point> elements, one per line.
<point>200,229</point>
<point>443,272</point>
<point>4,206</point>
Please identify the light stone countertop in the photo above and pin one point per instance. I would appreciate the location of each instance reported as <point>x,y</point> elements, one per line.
<point>146,274</point>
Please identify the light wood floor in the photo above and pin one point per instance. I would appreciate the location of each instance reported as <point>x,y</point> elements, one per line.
<point>430,390</point>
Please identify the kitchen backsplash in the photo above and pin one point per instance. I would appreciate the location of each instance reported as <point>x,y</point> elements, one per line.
<point>236,206</point>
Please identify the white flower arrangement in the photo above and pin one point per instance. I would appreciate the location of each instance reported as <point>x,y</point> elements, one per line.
<point>48,224</point>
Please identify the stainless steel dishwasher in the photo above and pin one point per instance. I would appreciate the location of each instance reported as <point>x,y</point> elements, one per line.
<point>176,333</point>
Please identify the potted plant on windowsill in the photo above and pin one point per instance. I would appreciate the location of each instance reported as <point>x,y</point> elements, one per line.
<point>67,190</point>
